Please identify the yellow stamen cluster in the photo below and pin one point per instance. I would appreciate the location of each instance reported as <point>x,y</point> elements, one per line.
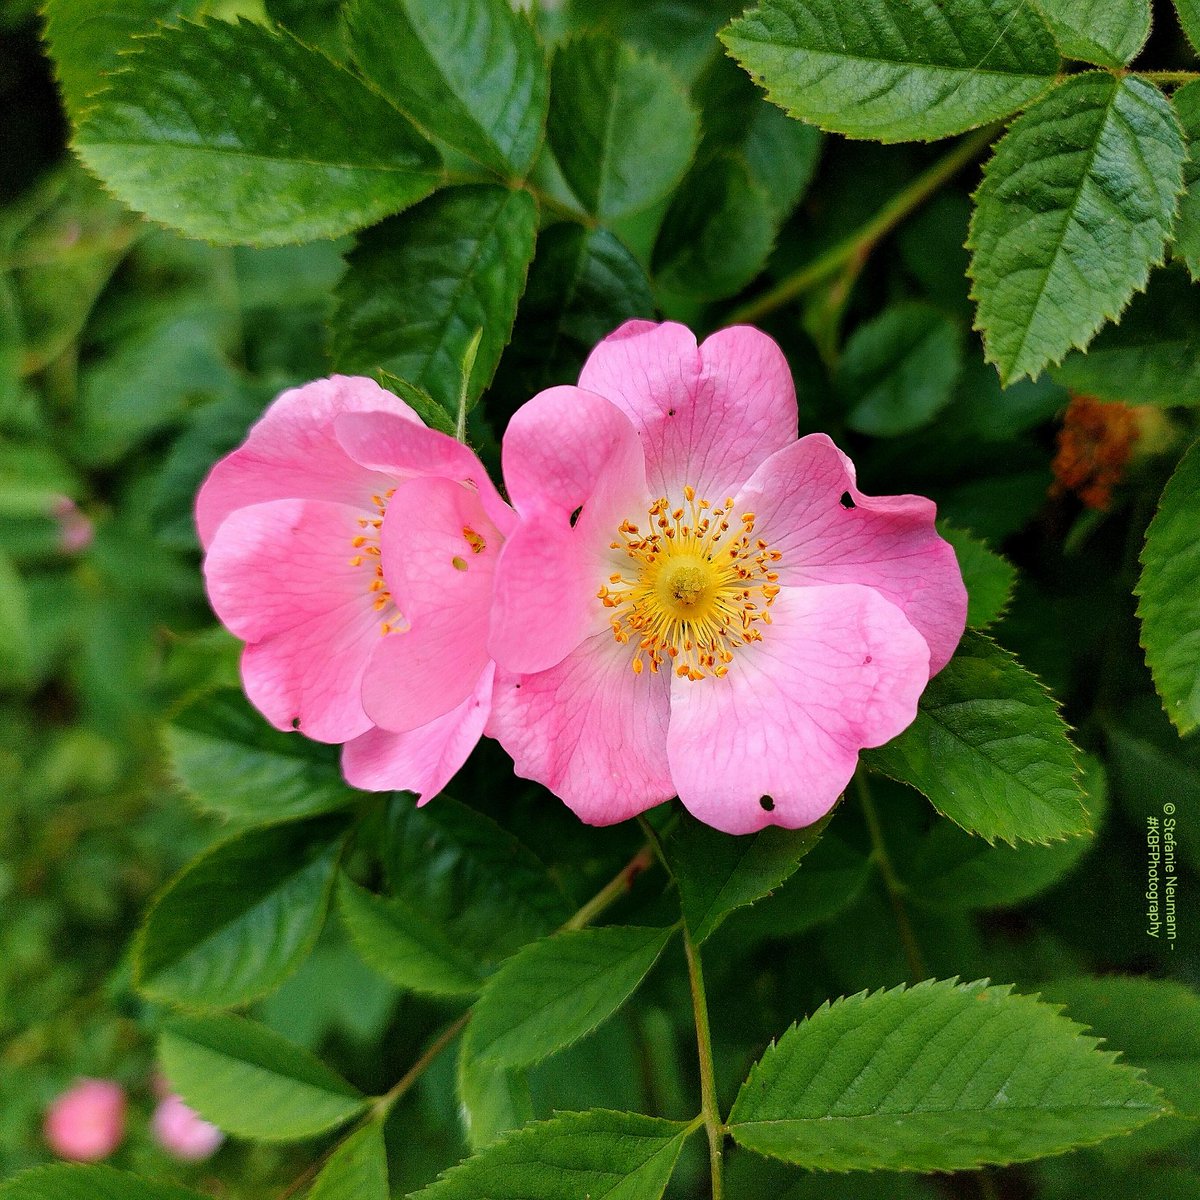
<point>369,554</point>
<point>699,586</point>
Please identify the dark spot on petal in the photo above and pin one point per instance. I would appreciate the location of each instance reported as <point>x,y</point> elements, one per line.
<point>847,500</point>
<point>517,686</point>
<point>575,516</point>
<point>295,722</point>
<point>767,803</point>
<point>670,412</point>
<point>866,660</point>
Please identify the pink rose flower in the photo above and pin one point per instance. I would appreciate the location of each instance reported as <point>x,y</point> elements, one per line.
<point>87,1122</point>
<point>183,1133</point>
<point>696,603</point>
<point>352,549</point>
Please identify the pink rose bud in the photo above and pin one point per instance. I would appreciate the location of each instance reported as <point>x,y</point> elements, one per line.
<point>183,1133</point>
<point>75,529</point>
<point>87,1122</point>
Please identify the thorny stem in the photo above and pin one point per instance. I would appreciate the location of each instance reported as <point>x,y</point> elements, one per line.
<point>891,881</point>
<point>860,243</point>
<point>713,1124</point>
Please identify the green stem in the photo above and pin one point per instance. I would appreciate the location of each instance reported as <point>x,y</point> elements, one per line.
<point>1168,77</point>
<point>709,1110</point>
<point>613,890</point>
<point>860,243</point>
<point>386,1102</point>
<point>891,881</point>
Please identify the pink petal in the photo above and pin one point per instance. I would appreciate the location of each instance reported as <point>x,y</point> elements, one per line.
<point>292,453</point>
<point>707,416</point>
<point>885,542</point>
<point>423,760</point>
<point>439,555</point>
<point>183,1133</point>
<point>575,470</point>
<point>590,730</point>
<point>404,450</point>
<point>280,576</point>
<point>838,669</point>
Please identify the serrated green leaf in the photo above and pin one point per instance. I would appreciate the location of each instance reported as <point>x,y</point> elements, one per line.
<point>1186,101</point>
<point>989,576</point>
<point>235,764</point>
<point>599,1155</point>
<point>937,1077</point>
<point>717,232</point>
<point>483,887</point>
<point>316,23</point>
<point>622,129</point>
<point>556,990</point>
<point>419,400</point>
<point>717,874</point>
<point>1169,598</point>
<point>989,750</point>
<point>1107,34</point>
<point>474,74</point>
<point>233,134</point>
<point>418,287</point>
<point>1074,210</point>
<point>1189,19</point>
<point>357,1169</point>
<point>403,947</point>
<point>239,919</point>
<point>492,1100</point>
<point>74,1182</point>
<point>893,70</point>
<point>898,371</point>
<point>250,1082</point>
<point>1152,356</point>
<point>89,38</point>
<point>582,285</point>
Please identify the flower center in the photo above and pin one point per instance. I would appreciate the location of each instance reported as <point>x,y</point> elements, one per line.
<point>368,553</point>
<point>692,588</point>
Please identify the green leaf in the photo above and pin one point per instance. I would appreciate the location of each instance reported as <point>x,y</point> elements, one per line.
<point>893,70</point>
<point>90,38</point>
<point>953,870</point>
<point>1152,356</point>
<point>582,285</point>
<point>718,231</point>
<point>463,873</point>
<point>622,129</point>
<point>1168,598</point>
<point>989,750</point>
<point>420,401</point>
<point>239,919</point>
<point>63,1182</point>
<point>937,1077</point>
<point>556,990</point>
<point>989,576</point>
<point>474,76</point>
<point>403,947</point>
<point>357,1169</point>
<point>16,662</point>
<point>598,1155</point>
<point>250,1082</point>
<point>1107,34</point>
<point>1187,223</point>
<point>898,371</point>
<point>717,874</point>
<point>233,134</point>
<point>1189,19</point>
<point>492,1100</point>
<point>419,286</point>
<point>234,763</point>
<point>1073,211</point>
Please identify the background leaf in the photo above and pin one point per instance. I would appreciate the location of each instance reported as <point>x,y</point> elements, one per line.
<point>76,1182</point>
<point>492,1099</point>
<point>1089,176</point>
<point>357,1169</point>
<point>1186,101</point>
<point>989,576</point>
<point>989,750</point>
<point>622,130</point>
<point>1169,601</point>
<point>1189,19</point>
<point>418,287</point>
<point>895,71</point>
<point>473,75</point>
<point>250,1082</point>
<point>1109,34</point>
<point>936,1077</point>
<point>600,1155</point>
<point>235,764</point>
<point>557,990</point>
<point>240,918</point>
<point>15,659</point>
<point>229,133</point>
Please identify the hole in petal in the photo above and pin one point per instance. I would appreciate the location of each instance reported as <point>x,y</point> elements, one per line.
<point>295,722</point>
<point>866,660</point>
<point>847,500</point>
<point>670,412</point>
<point>768,805</point>
<point>575,516</point>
